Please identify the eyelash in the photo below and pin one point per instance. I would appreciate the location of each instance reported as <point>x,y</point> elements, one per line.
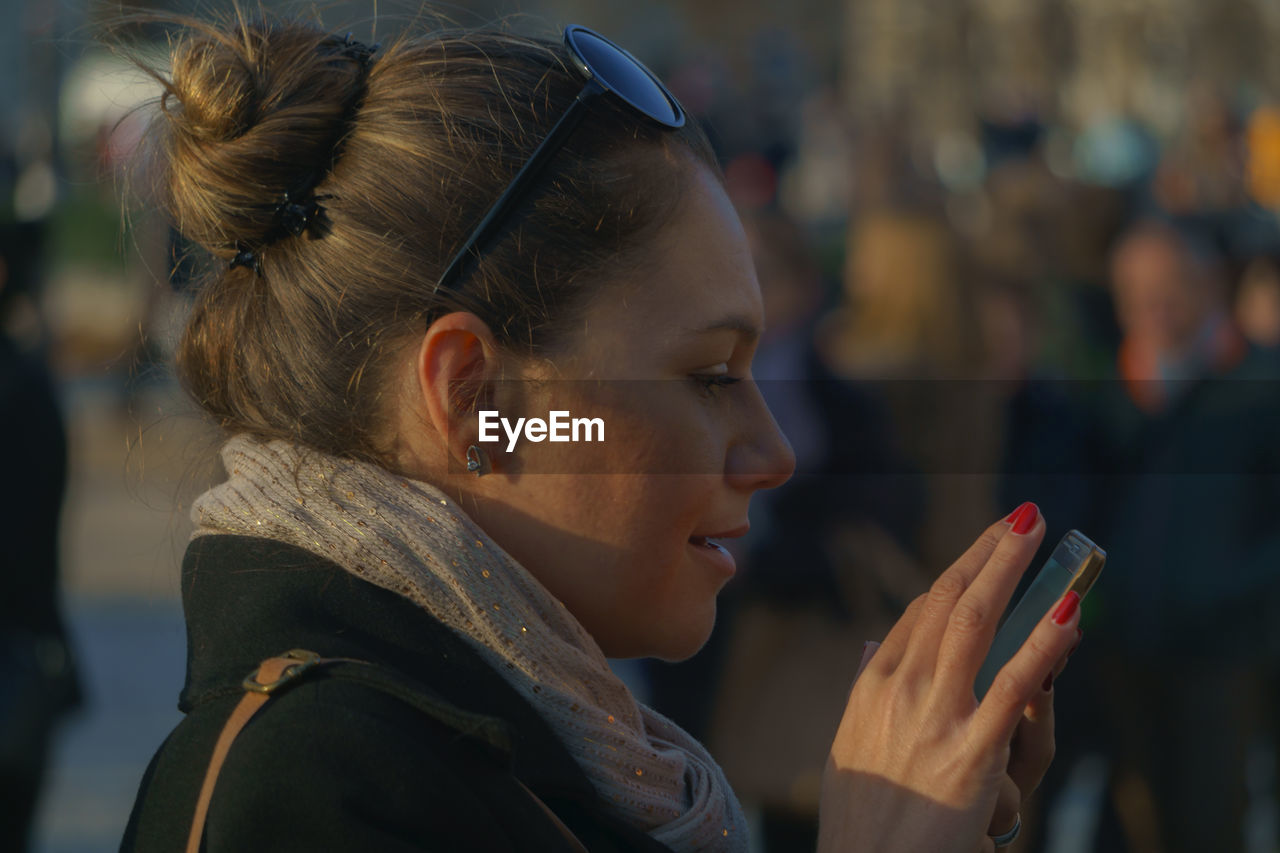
<point>711,383</point>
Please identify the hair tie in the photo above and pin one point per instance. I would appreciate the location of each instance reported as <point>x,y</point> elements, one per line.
<point>358,51</point>
<point>299,211</point>
<point>297,216</point>
<point>244,258</point>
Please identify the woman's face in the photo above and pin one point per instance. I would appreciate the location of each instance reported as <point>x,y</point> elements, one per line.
<point>618,529</point>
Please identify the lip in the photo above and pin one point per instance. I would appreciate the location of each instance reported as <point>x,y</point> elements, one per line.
<point>713,553</point>
<point>735,533</point>
<point>716,556</point>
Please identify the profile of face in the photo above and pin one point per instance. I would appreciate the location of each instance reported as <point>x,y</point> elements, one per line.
<point>619,530</point>
<point>1161,295</point>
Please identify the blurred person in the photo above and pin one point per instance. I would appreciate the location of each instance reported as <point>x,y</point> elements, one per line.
<point>38,683</point>
<point>906,311</point>
<point>1171,304</point>
<point>1257,303</point>
<point>1262,150</point>
<point>907,328</point>
<point>1191,487</point>
<point>1022,298</point>
<point>464,600</point>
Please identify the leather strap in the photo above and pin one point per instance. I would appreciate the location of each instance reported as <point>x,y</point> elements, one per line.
<point>269,672</point>
<point>276,672</point>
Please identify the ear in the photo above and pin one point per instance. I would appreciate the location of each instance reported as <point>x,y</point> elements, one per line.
<point>457,363</point>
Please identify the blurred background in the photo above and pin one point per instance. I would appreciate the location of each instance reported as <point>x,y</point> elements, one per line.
<point>1010,250</point>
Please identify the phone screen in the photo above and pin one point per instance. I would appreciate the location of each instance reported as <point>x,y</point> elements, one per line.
<point>1074,564</point>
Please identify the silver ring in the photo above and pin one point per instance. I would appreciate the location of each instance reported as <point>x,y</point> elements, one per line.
<point>1007,838</point>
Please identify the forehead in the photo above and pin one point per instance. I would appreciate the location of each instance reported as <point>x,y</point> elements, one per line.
<point>698,273</point>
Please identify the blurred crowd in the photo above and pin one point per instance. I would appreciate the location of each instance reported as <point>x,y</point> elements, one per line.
<point>948,335</point>
<point>1106,348</point>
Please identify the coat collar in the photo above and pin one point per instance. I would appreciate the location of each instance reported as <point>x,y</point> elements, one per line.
<point>247,599</point>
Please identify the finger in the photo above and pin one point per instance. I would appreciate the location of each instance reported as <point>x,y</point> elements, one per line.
<point>946,591</point>
<point>869,649</point>
<point>1033,746</point>
<point>1008,803</point>
<point>976,615</point>
<point>895,643</point>
<point>1046,696</point>
<point>1042,702</point>
<point>1016,684</point>
<point>1071,651</point>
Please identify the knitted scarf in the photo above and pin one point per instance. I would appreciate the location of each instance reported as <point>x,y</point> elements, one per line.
<point>410,538</point>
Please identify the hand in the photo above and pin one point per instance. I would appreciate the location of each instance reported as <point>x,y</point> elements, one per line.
<point>1032,748</point>
<point>917,763</point>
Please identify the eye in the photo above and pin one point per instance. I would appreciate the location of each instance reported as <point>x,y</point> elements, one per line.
<point>710,384</point>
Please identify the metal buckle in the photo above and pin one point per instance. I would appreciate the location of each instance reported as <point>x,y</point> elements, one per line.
<point>305,660</point>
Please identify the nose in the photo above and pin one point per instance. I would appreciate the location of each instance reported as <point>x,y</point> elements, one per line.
<point>762,458</point>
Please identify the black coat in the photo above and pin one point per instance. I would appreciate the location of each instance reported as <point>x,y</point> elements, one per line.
<point>1192,517</point>
<point>334,765</point>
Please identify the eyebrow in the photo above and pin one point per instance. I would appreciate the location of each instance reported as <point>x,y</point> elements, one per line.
<point>732,323</point>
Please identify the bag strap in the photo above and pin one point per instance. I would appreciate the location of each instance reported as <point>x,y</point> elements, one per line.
<point>259,687</point>
<point>276,672</point>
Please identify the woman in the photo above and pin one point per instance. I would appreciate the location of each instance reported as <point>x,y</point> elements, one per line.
<point>355,326</point>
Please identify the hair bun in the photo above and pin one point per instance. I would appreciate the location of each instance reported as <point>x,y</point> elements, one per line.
<point>250,113</point>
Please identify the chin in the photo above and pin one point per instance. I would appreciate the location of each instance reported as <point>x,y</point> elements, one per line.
<point>681,645</point>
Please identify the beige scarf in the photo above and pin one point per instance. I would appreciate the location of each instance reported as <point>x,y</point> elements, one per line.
<point>408,537</point>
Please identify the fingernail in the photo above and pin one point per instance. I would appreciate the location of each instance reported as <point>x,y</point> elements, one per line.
<point>1066,608</point>
<point>1048,683</point>
<point>1076,644</point>
<point>1024,517</point>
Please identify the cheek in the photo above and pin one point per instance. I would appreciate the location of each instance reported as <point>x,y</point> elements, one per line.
<point>627,572</point>
<point>636,516</point>
<point>663,599</point>
<point>641,525</point>
<point>663,427</point>
<point>650,427</point>
<point>658,571</point>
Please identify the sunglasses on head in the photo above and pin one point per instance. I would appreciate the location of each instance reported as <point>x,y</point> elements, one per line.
<point>607,70</point>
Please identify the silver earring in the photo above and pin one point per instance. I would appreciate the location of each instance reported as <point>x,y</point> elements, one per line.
<point>475,460</point>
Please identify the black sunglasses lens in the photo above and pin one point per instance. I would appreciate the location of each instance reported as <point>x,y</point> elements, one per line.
<point>625,77</point>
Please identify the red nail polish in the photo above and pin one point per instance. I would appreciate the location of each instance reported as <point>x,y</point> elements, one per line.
<point>1024,517</point>
<point>1048,683</point>
<point>1066,608</point>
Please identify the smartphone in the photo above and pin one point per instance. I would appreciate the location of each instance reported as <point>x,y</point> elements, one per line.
<point>1074,565</point>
